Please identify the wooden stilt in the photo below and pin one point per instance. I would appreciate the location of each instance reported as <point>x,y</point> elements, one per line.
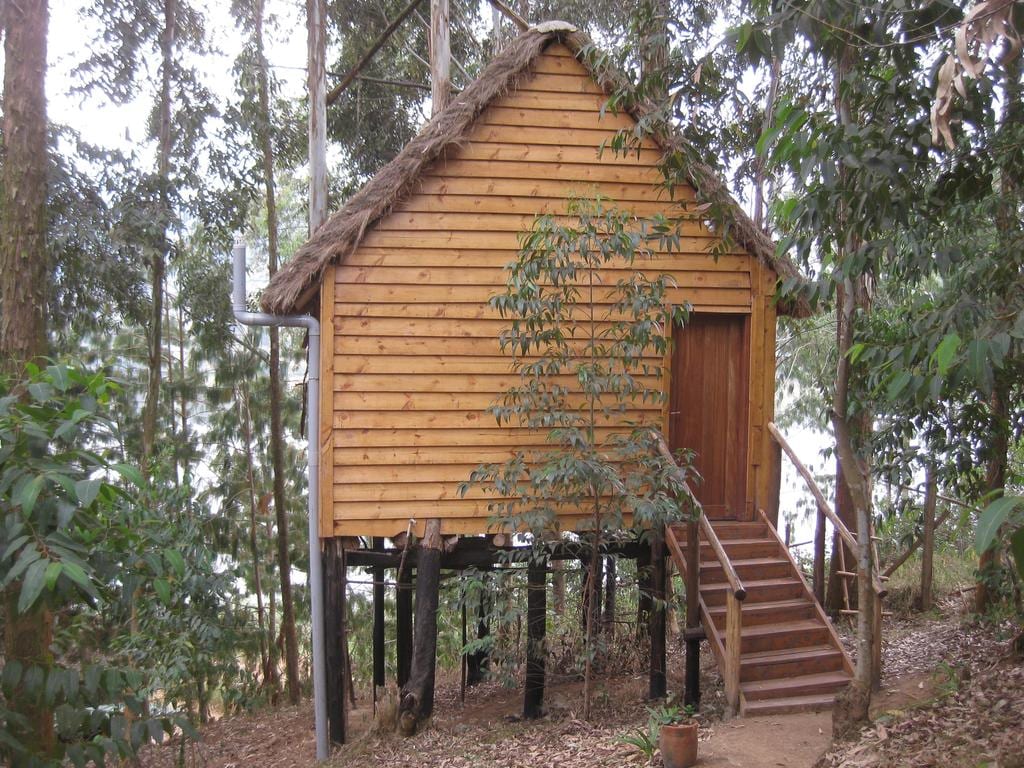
<point>417,699</point>
<point>403,625</point>
<point>643,586</point>
<point>658,683</point>
<point>536,625</point>
<point>334,630</point>
<point>477,662</point>
<point>608,621</point>
<point>691,688</point>
<point>378,622</point>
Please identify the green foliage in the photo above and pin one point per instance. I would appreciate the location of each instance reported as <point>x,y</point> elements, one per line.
<point>588,354</point>
<point>1003,521</point>
<point>63,538</point>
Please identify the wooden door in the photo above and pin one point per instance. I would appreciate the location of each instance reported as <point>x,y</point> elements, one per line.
<point>708,407</point>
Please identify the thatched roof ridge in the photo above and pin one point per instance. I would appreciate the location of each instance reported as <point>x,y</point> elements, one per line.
<point>296,283</point>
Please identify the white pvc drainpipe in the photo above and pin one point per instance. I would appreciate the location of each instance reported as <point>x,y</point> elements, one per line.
<point>316,577</point>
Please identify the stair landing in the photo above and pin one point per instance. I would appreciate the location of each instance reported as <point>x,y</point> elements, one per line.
<point>791,659</point>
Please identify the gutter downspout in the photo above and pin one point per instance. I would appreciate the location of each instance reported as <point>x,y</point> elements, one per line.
<point>316,577</point>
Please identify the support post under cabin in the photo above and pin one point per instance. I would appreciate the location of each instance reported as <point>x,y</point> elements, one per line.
<point>643,588</point>
<point>378,621</point>
<point>478,661</point>
<point>693,632</point>
<point>417,698</point>
<point>658,682</point>
<point>403,624</point>
<point>536,627</point>
<point>335,636</point>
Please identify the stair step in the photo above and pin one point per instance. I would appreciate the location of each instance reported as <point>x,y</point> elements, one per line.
<point>777,637</point>
<point>802,685</point>
<point>790,663</point>
<point>808,703</point>
<point>758,591</point>
<point>741,548</point>
<point>769,612</point>
<point>734,529</point>
<point>747,568</point>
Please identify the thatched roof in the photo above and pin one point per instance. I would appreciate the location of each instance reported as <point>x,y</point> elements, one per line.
<point>298,281</point>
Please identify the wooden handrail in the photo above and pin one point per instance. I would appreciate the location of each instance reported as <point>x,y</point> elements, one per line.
<point>823,505</point>
<point>731,577</point>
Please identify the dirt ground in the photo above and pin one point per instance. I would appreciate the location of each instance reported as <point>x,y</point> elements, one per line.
<point>951,697</point>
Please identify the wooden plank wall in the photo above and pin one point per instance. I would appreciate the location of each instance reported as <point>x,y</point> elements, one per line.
<point>416,358</point>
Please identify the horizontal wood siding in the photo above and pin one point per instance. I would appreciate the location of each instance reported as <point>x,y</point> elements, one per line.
<point>415,357</point>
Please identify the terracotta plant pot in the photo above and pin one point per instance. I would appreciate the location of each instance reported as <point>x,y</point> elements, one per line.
<point>678,745</point>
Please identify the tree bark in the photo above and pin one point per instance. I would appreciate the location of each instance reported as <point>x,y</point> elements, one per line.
<point>995,482</point>
<point>403,625</point>
<point>536,652</point>
<point>928,538</point>
<point>657,678</point>
<point>245,416</point>
<point>291,645</point>
<point>24,262</point>
<point>24,271</point>
<point>335,636</point>
<point>609,595</point>
<point>417,698</point>
<point>161,246</point>
<point>557,587</point>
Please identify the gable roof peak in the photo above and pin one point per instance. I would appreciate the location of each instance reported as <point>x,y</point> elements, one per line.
<point>298,281</point>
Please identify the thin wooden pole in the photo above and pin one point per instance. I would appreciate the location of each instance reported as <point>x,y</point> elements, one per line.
<point>440,56</point>
<point>334,615</point>
<point>378,621</point>
<point>536,624</point>
<point>691,691</point>
<point>657,679</point>
<point>733,642</point>
<point>518,20</point>
<point>928,539</point>
<point>317,88</point>
<point>403,624</point>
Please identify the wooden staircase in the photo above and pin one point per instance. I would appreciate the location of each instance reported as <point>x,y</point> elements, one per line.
<point>790,658</point>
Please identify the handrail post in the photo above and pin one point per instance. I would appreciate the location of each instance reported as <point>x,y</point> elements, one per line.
<point>733,641</point>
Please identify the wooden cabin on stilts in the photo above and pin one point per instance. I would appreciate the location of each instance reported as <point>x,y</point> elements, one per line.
<point>400,278</point>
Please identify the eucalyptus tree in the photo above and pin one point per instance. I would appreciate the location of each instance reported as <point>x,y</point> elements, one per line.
<point>24,273</point>
<point>256,112</point>
<point>117,64</point>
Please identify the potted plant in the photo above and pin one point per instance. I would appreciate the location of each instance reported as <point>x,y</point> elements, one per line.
<point>677,738</point>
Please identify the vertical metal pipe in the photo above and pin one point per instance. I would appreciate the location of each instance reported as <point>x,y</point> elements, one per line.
<point>316,579</point>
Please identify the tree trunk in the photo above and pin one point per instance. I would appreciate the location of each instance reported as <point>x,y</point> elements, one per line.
<point>24,274</point>
<point>609,596</point>
<point>291,645</point>
<point>536,652</point>
<point>24,267</point>
<point>245,416</point>
<point>161,247</point>
<point>657,678</point>
<point>417,698</point>
<point>440,56</point>
<point>403,625</point>
<point>928,538</point>
<point>557,587</point>
<point>995,482</point>
<point>477,662</point>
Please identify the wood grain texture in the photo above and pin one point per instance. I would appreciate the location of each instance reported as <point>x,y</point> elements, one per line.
<point>415,356</point>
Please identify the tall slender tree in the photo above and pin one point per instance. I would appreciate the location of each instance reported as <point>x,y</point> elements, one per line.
<point>24,271</point>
